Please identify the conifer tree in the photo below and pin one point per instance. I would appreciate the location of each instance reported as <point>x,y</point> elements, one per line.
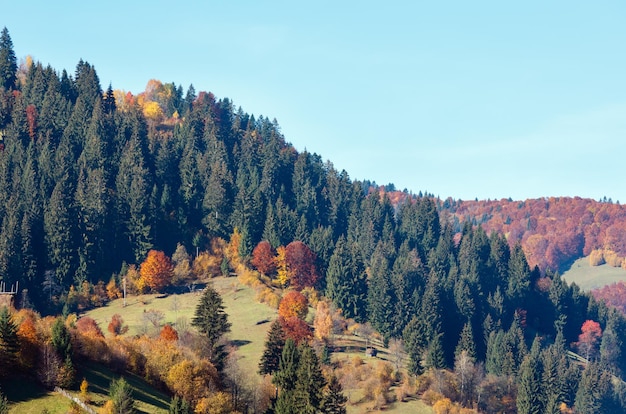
<point>8,61</point>
<point>274,344</point>
<point>310,381</point>
<point>529,390</point>
<point>121,397</point>
<point>286,375</point>
<point>334,401</point>
<point>211,320</point>
<point>9,345</point>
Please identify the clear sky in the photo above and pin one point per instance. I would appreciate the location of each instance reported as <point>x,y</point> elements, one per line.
<point>468,99</point>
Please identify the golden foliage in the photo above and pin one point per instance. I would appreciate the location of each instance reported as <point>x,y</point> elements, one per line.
<point>156,270</point>
<point>268,296</point>
<point>282,273</point>
<point>323,322</point>
<point>152,111</point>
<point>612,259</point>
<point>113,292</point>
<point>596,258</point>
<point>216,403</point>
<point>192,380</point>
<point>206,265</point>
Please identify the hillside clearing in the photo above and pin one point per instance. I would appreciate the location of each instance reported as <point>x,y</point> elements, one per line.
<point>589,277</point>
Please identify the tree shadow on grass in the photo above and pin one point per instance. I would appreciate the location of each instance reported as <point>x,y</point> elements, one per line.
<point>19,389</point>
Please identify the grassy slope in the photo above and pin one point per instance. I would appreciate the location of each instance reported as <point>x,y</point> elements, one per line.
<point>239,302</point>
<point>245,313</point>
<point>590,277</point>
<point>27,397</point>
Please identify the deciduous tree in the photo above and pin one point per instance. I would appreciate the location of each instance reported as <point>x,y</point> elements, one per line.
<point>293,304</point>
<point>589,338</point>
<point>301,265</point>
<point>156,270</point>
<point>263,258</point>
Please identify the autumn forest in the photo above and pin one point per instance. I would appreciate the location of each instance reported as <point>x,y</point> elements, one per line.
<point>105,193</point>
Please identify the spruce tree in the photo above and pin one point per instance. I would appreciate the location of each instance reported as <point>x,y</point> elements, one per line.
<point>121,396</point>
<point>274,344</point>
<point>8,61</point>
<point>9,345</point>
<point>310,381</point>
<point>210,318</point>
<point>529,390</point>
<point>334,401</point>
<point>286,376</point>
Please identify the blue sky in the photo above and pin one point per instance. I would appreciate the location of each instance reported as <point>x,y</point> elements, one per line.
<point>484,99</point>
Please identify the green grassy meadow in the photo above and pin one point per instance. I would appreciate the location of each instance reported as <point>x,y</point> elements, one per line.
<point>589,277</point>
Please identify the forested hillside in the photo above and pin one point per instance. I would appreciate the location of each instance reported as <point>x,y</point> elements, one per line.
<point>553,231</point>
<point>92,180</point>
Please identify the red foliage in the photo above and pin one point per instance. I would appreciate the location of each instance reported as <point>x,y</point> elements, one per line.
<point>553,231</point>
<point>301,265</point>
<point>296,329</point>
<point>293,304</point>
<point>263,258</point>
<point>589,338</point>
<point>168,333</point>
<point>31,118</point>
<point>613,295</point>
<point>88,326</point>
<point>116,326</point>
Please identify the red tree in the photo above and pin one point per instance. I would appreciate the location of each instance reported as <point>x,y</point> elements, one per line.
<point>296,329</point>
<point>116,326</point>
<point>301,265</point>
<point>589,338</point>
<point>263,258</point>
<point>168,333</point>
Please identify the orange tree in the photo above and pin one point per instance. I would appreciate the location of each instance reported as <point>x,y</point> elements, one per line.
<point>157,270</point>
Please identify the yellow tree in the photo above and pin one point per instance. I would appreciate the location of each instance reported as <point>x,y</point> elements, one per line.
<point>156,270</point>
<point>281,266</point>
<point>323,322</point>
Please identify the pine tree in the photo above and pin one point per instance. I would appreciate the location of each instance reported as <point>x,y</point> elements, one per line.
<point>334,402</point>
<point>8,61</point>
<point>121,396</point>
<point>310,381</point>
<point>529,390</point>
<point>466,341</point>
<point>274,344</point>
<point>9,345</point>
<point>179,406</point>
<point>594,390</point>
<point>286,376</point>
<point>210,318</point>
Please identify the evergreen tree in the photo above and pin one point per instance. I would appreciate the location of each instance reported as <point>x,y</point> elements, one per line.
<point>286,375</point>
<point>466,342</point>
<point>179,405</point>
<point>274,344</point>
<point>9,345</point>
<point>121,396</point>
<point>434,355</point>
<point>334,401</point>
<point>8,61</point>
<point>310,383</point>
<point>346,280</point>
<point>210,318</point>
<point>529,390</point>
<point>61,339</point>
<point>594,390</point>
